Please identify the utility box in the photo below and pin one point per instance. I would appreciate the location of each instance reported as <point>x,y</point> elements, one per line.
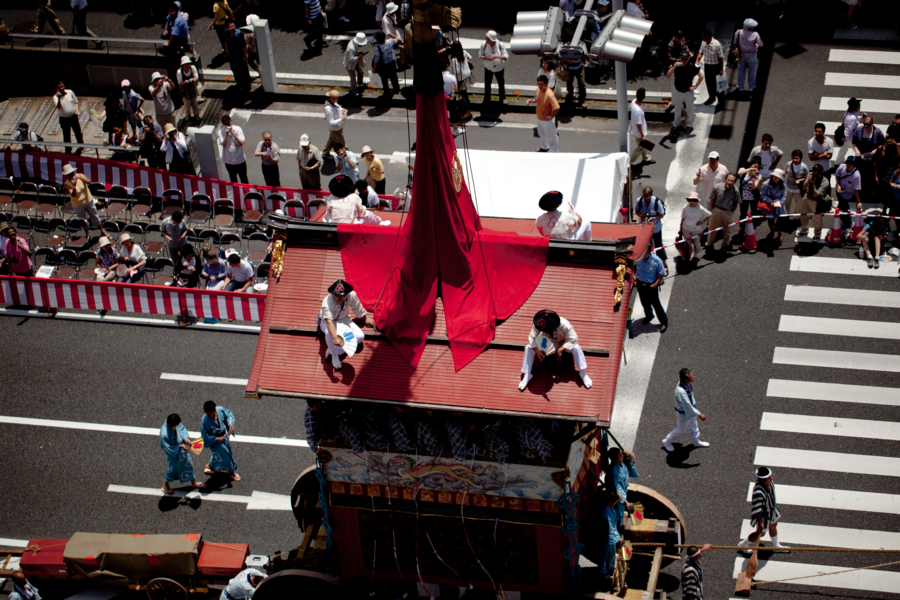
<point>266,57</point>
<point>205,143</point>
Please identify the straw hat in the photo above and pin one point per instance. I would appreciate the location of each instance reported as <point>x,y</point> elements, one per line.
<point>170,128</point>
<point>365,149</point>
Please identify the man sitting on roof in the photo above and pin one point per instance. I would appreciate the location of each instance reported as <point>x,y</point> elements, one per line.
<point>552,334</point>
<point>336,309</point>
<point>345,206</point>
<point>561,222</point>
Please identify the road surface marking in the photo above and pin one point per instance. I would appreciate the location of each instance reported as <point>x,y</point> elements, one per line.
<point>255,501</point>
<point>841,266</point>
<point>10,543</point>
<point>836,359</point>
<point>869,581</point>
<point>830,126</point>
<point>852,500</point>
<point>122,320</point>
<point>858,428</point>
<point>844,327</point>
<point>870,105</point>
<point>834,392</point>
<point>830,537</point>
<point>202,379</point>
<point>851,297</point>
<point>860,80</point>
<point>154,431</point>
<point>812,460</point>
<point>865,56</point>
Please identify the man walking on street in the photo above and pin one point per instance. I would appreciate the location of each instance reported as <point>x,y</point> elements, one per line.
<point>67,108</point>
<point>309,161</point>
<point>713,58</point>
<point>315,22</point>
<point>683,73</point>
<point>236,52</point>
<point>686,413</point>
<point>692,574</point>
<point>46,14</point>
<point>723,200</point>
<point>79,21</point>
<point>335,116</point>
<point>270,154</point>
<point>639,129</point>
<point>748,43</point>
<point>764,514</point>
<point>494,57</point>
<point>649,273</point>
<point>547,108</point>
<point>353,62</point>
<point>231,139</point>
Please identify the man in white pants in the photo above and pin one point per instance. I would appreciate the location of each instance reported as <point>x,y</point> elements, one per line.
<point>683,73</point>
<point>560,221</point>
<point>639,130</point>
<point>547,108</point>
<point>686,413</point>
<point>552,334</point>
<point>336,307</point>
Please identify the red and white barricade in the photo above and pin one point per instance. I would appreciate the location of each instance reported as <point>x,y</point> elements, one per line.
<point>131,298</point>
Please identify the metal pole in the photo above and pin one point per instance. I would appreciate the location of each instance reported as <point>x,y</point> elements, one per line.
<point>621,92</point>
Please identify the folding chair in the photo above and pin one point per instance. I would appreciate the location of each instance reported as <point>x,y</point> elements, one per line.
<point>68,266</point>
<point>74,228</point>
<point>253,217</point>
<point>228,239</point>
<point>141,203</point>
<point>47,205</point>
<point>262,272</point>
<point>86,272</point>
<point>112,230</point>
<point>295,209</point>
<point>201,208</point>
<point>208,235</point>
<point>172,202</point>
<point>56,239</point>
<point>157,266</point>
<point>7,194</point>
<point>153,247</point>
<point>223,213</point>
<point>257,257</point>
<point>117,203</point>
<point>313,207</point>
<point>27,194</point>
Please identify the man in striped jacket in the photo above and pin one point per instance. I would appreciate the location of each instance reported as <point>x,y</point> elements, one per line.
<point>764,513</point>
<point>692,574</point>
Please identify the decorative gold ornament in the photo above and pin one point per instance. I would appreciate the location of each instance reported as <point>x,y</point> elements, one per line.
<point>456,172</point>
<point>621,261</point>
<point>278,255</point>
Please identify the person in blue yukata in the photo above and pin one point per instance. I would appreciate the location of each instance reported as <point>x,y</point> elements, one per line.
<point>173,439</point>
<point>686,413</point>
<point>649,273</point>
<point>607,557</point>
<point>217,424</point>
<point>617,476</point>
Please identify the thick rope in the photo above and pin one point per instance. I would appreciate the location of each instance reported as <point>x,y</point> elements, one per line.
<point>792,549</point>
<point>759,583</point>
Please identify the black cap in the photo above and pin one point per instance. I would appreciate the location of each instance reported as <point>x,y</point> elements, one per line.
<point>340,287</point>
<point>551,200</point>
<point>341,186</point>
<point>546,321</point>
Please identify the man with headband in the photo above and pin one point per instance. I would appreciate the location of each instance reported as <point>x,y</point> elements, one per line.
<point>551,334</point>
<point>692,574</point>
<point>764,513</point>
<point>560,221</point>
<point>336,307</point>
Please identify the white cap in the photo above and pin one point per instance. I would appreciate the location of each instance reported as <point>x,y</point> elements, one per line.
<point>126,83</point>
<point>491,35</point>
<point>603,2</point>
<point>304,140</point>
<point>714,154</point>
<point>750,23</point>
<point>360,39</point>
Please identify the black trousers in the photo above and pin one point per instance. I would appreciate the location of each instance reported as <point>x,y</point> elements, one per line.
<point>270,173</point>
<point>70,124</point>
<point>182,165</point>
<point>241,73</point>
<point>388,72</point>
<point>844,205</point>
<point>650,301</point>
<point>489,79</point>
<point>710,72</point>
<point>236,171</point>
<point>156,160</point>
<point>657,243</point>
<point>315,33</point>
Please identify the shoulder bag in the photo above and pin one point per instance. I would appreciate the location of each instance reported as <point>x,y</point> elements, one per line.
<point>839,138</point>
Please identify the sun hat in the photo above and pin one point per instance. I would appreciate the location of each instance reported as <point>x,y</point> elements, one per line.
<point>68,170</point>
<point>104,241</point>
<point>778,173</point>
<point>491,35</point>
<point>391,8</point>
<point>365,149</point>
<point>304,140</point>
<point>693,196</point>
<point>124,238</point>
<point>332,94</point>
<point>360,39</point>
<point>185,60</point>
<point>750,24</point>
<point>169,128</point>
<point>156,75</point>
<point>714,155</point>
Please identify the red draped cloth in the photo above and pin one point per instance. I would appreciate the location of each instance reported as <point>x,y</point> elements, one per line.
<point>441,249</point>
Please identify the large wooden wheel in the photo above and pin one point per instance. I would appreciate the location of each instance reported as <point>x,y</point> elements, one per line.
<point>162,588</point>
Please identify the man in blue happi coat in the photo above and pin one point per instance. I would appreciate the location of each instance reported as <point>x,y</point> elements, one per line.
<point>217,424</point>
<point>173,439</point>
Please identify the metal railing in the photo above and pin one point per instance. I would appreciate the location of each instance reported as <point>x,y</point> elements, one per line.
<point>59,39</point>
<point>96,147</point>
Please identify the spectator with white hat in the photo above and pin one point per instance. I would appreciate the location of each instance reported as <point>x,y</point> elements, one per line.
<point>494,55</point>
<point>131,261</point>
<point>134,103</point>
<point>375,170</point>
<point>309,160</point>
<point>389,22</point>
<point>77,186</point>
<point>710,174</point>
<point>773,194</point>
<point>178,155</point>
<point>748,43</point>
<point>161,91</point>
<point>107,259</point>
<point>188,84</point>
<point>353,61</point>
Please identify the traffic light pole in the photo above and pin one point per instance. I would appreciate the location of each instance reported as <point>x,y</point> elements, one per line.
<point>621,92</point>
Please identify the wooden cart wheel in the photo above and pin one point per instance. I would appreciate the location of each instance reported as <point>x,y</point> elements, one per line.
<point>166,589</point>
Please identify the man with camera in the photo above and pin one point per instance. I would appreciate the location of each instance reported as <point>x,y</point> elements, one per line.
<point>150,140</point>
<point>347,162</point>
<point>683,72</point>
<point>66,104</point>
<point>231,139</point>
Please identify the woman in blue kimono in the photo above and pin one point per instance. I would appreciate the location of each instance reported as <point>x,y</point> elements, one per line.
<point>217,423</point>
<point>621,467</point>
<point>607,562</point>
<point>173,439</point>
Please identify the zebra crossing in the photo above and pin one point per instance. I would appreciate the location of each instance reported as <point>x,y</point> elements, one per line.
<point>808,431</point>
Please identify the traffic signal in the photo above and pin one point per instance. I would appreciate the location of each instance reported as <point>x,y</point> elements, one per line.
<point>537,32</point>
<point>621,38</point>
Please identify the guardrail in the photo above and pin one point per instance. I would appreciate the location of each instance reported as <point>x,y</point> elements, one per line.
<point>96,147</point>
<point>59,39</point>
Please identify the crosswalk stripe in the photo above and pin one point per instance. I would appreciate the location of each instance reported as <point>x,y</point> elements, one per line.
<point>833,392</point>
<point>836,462</point>
<point>861,80</point>
<point>798,495</point>
<point>870,580</point>
<point>830,126</point>
<point>865,56</point>
<point>843,327</point>
<point>858,428</point>
<point>830,537</point>
<point>840,266</point>
<point>836,359</point>
<point>870,105</point>
<point>852,297</point>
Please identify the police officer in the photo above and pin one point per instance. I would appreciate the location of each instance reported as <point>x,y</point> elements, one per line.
<point>649,273</point>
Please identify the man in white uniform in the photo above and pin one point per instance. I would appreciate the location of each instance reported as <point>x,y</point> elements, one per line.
<point>336,307</point>
<point>344,206</point>
<point>639,130</point>
<point>243,585</point>
<point>560,221</point>
<point>552,334</point>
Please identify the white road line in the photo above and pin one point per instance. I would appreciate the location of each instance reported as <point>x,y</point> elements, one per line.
<point>851,297</point>
<point>865,56</point>
<point>836,359</point>
<point>255,501</point>
<point>870,105</point>
<point>202,379</point>
<point>844,327</point>
<point>861,80</point>
<point>858,428</point>
<point>122,320</point>
<point>833,392</point>
<point>811,460</point>
<point>797,495</point>
<point>841,266</point>
<point>249,439</point>
<point>10,543</point>
<point>869,581</point>
<point>830,537</point>
<point>830,126</point>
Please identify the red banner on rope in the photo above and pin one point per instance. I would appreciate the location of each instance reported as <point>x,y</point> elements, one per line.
<point>131,298</point>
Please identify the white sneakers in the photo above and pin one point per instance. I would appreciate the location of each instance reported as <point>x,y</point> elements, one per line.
<point>335,361</point>
<point>385,223</point>
<point>584,377</point>
<point>669,447</point>
<point>524,383</point>
<point>699,444</point>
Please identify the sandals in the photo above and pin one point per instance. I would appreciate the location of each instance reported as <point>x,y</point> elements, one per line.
<point>198,486</point>
<point>235,477</point>
<point>166,491</point>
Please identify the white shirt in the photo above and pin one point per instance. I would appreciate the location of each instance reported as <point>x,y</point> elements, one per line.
<point>344,210</point>
<point>181,77</point>
<point>180,144</point>
<point>242,273</point>
<point>709,179</point>
<point>637,118</point>
<point>79,4</point>
<point>564,334</point>
<point>826,146</point>
<point>633,10</point>
<point>487,48</point>
<point>851,122</point>
<point>372,199</point>
<point>331,310</point>
<point>136,255</point>
<point>449,82</point>
<point>693,216</point>
<point>765,163</point>
<point>388,26</point>
<point>558,223</point>
<point>350,56</point>
<point>232,153</point>
<point>461,68</point>
<point>162,100</point>
<point>239,588</point>
<point>67,102</point>
<point>333,114</point>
